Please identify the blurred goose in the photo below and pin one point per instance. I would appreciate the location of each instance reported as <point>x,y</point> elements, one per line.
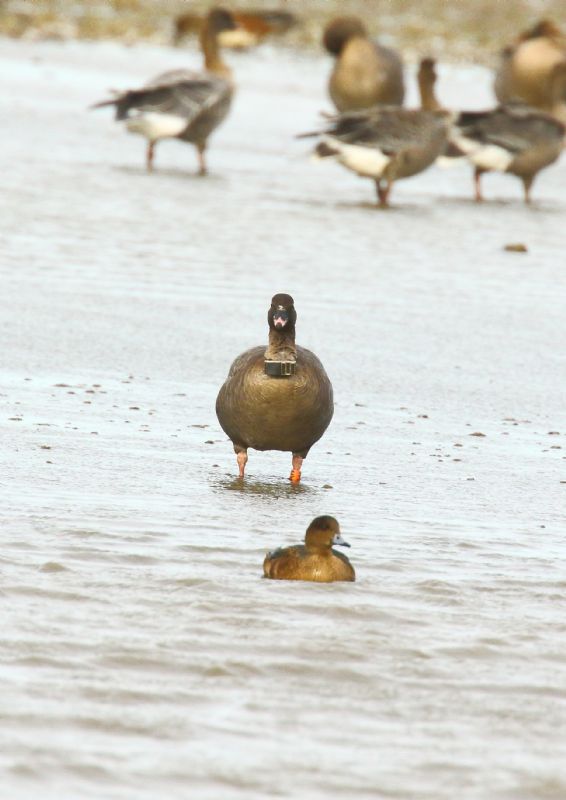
<point>182,104</point>
<point>383,143</point>
<point>526,68</point>
<point>512,138</point>
<point>316,560</point>
<point>365,72</point>
<point>276,398</point>
<point>253,25</point>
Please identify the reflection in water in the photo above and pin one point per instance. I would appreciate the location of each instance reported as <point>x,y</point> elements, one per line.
<point>274,489</point>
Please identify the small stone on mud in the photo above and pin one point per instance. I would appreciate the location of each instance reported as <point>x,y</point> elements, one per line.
<point>517,247</point>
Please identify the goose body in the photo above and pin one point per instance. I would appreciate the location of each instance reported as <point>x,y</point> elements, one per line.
<point>526,70</point>
<point>385,144</point>
<point>182,104</point>
<point>315,560</point>
<point>267,412</point>
<point>365,73</point>
<point>515,139</point>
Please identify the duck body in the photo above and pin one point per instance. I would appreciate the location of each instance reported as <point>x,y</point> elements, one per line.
<point>316,560</point>
<point>365,73</point>
<point>276,398</point>
<point>514,138</point>
<point>182,104</point>
<point>384,143</point>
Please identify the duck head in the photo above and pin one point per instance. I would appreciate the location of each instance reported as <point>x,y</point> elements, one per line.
<point>339,31</point>
<point>322,533</point>
<point>282,315</point>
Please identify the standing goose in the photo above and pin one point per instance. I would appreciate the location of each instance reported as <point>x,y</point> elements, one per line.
<point>385,144</point>
<point>365,72</point>
<point>279,398</point>
<point>512,138</point>
<point>182,104</point>
<point>525,71</point>
<point>316,560</point>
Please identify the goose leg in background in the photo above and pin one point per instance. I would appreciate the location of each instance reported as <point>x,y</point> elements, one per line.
<point>149,156</point>
<point>295,475</point>
<point>242,459</point>
<point>477,184</point>
<point>527,183</point>
<point>383,190</point>
<point>201,160</point>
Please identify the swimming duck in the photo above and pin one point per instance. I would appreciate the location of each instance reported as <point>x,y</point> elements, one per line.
<point>365,72</point>
<point>526,68</point>
<point>513,138</point>
<point>182,104</point>
<point>276,398</point>
<point>316,560</point>
<point>383,143</point>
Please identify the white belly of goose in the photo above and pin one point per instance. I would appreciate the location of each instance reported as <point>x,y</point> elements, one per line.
<point>485,156</point>
<point>368,162</point>
<point>154,125</point>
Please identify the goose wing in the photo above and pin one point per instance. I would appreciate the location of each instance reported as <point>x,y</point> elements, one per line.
<point>388,129</point>
<point>179,93</point>
<point>511,128</point>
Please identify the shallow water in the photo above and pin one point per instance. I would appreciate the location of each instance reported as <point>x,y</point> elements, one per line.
<point>143,654</point>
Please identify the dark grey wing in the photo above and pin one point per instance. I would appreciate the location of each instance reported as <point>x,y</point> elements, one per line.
<point>180,93</point>
<point>515,128</point>
<point>389,129</point>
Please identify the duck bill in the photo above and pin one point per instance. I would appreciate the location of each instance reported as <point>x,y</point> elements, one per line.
<point>280,319</point>
<point>340,541</point>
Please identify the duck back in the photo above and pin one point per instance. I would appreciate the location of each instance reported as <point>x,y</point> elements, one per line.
<point>297,564</point>
<point>267,413</point>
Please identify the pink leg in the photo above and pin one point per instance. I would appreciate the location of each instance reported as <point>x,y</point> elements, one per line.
<point>295,475</point>
<point>149,156</point>
<point>242,458</point>
<point>201,162</point>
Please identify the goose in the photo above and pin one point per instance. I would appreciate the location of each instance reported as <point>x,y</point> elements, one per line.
<point>276,398</point>
<point>365,73</point>
<point>383,143</point>
<point>316,560</point>
<point>182,104</point>
<point>526,67</point>
<point>512,138</point>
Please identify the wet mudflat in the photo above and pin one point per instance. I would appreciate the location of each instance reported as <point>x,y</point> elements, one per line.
<point>142,652</point>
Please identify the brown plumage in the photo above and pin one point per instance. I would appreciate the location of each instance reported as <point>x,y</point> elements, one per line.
<point>526,70</point>
<point>253,24</point>
<point>365,73</point>
<point>264,412</point>
<point>316,560</point>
